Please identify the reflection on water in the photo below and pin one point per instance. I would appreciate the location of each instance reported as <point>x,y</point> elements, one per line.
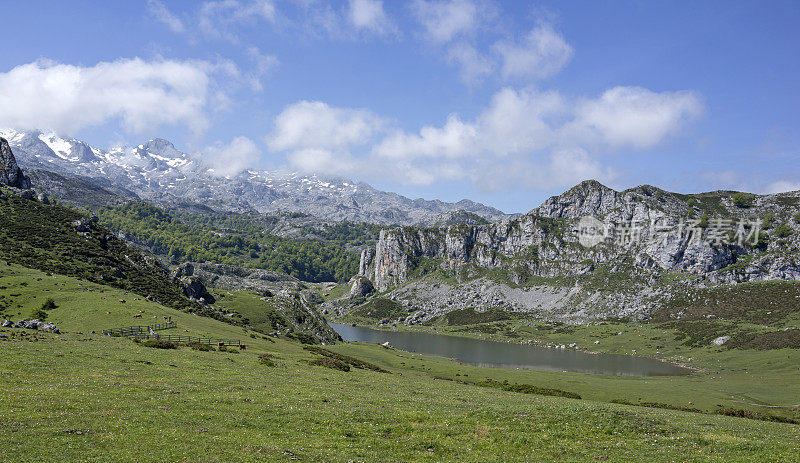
<point>504,355</point>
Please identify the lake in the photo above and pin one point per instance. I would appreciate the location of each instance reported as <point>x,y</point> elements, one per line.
<point>494,354</point>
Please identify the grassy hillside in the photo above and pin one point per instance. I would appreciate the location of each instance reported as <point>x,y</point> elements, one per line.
<point>59,240</point>
<point>95,398</point>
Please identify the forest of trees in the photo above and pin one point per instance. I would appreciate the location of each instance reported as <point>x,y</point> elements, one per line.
<point>239,239</point>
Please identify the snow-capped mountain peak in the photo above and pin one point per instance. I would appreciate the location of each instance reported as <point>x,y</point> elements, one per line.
<point>158,171</point>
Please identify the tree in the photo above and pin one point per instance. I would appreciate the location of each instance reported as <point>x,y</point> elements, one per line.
<point>743,200</point>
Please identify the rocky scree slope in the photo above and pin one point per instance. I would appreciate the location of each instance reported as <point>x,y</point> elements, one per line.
<point>591,252</point>
<point>294,302</point>
<point>157,171</point>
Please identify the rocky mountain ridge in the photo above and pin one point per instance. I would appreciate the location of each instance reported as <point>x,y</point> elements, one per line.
<point>158,172</point>
<point>580,245</point>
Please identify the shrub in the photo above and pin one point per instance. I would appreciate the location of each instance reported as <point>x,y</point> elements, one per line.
<point>742,200</point>
<point>703,223</point>
<point>797,218</point>
<point>783,230</point>
<point>754,415</point>
<point>200,346</point>
<point>345,359</point>
<point>529,389</point>
<point>38,314</point>
<point>268,360</point>
<point>159,344</point>
<point>768,221</point>
<point>331,363</point>
<point>306,338</point>
<point>49,304</point>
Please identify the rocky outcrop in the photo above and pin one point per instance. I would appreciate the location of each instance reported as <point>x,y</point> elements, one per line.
<point>637,234</point>
<point>192,284</point>
<point>34,324</point>
<point>234,278</point>
<point>10,173</point>
<point>361,287</point>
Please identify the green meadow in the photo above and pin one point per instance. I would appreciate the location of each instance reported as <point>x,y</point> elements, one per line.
<point>81,396</point>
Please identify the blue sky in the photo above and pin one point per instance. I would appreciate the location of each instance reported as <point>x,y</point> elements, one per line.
<point>504,103</point>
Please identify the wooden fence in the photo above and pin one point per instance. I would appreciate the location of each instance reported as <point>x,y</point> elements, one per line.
<point>133,330</point>
<point>148,332</point>
<point>185,339</point>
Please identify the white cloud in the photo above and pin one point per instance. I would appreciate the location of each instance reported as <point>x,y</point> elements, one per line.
<point>474,65</point>
<point>313,124</point>
<point>444,20</point>
<point>230,159</point>
<point>215,18</point>
<point>263,65</point>
<point>541,171</point>
<point>369,15</point>
<point>160,12</point>
<point>141,94</point>
<point>514,123</point>
<point>542,53</point>
<point>523,138</point>
<point>781,186</point>
<point>635,116</point>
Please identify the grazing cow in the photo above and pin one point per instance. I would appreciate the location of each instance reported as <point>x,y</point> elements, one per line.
<point>138,315</point>
<point>242,347</point>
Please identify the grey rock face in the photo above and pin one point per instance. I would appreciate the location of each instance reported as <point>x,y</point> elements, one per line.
<point>10,172</point>
<point>361,287</point>
<point>645,233</point>
<point>193,286</point>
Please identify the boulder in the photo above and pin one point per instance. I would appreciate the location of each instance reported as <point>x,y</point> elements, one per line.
<point>721,340</point>
<point>34,324</point>
<point>7,323</point>
<point>361,287</point>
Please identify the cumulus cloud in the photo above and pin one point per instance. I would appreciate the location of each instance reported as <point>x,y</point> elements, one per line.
<point>444,20</point>
<point>313,124</point>
<point>515,122</point>
<point>635,116</point>
<point>369,15</point>
<point>160,12</point>
<point>523,138</point>
<point>227,160</point>
<point>542,53</point>
<point>781,186</point>
<point>142,95</point>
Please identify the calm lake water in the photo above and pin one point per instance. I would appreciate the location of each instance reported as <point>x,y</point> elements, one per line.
<point>504,355</point>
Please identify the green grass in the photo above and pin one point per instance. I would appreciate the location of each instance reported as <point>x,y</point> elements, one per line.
<point>81,396</point>
<point>470,316</point>
<point>379,309</point>
<point>260,314</point>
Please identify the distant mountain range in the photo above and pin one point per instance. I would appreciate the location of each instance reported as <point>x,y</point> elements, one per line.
<point>158,172</point>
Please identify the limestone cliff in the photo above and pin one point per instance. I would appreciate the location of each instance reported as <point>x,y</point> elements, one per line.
<point>643,234</point>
